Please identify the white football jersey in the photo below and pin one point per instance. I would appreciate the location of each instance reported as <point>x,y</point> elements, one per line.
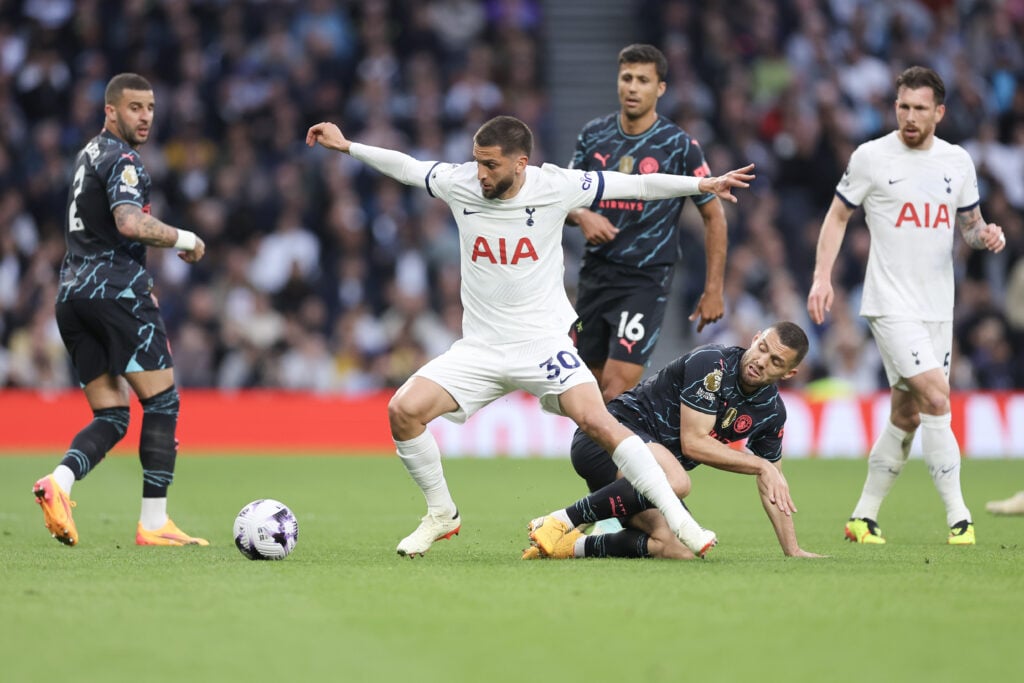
<point>910,200</point>
<point>511,249</point>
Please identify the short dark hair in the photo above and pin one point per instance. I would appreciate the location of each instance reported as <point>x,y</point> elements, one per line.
<point>792,336</point>
<point>506,132</point>
<point>121,82</point>
<point>922,77</point>
<point>641,53</point>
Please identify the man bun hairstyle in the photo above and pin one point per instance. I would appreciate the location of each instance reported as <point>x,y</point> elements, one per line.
<point>507,132</point>
<point>121,82</point>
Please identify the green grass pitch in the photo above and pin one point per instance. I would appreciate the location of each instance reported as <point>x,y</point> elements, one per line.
<point>344,607</point>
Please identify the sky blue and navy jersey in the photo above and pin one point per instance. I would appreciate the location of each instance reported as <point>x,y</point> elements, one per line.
<point>100,262</point>
<point>648,230</point>
<point>706,381</point>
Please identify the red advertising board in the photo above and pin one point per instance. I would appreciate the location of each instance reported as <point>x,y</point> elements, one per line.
<point>988,425</point>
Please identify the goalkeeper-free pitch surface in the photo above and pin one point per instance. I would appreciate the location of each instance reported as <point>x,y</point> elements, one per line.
<point>345,607</point>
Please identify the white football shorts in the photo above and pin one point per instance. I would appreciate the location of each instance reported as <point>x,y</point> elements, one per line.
<point>475,373</point>
<point>910,347</point>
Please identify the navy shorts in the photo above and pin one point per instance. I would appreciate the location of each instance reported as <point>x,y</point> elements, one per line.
<point>621,312</point>
<point>113,336</point>
<point>592,462</point>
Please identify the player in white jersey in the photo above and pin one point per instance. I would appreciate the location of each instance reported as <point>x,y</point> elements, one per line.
<point>516,312</point>
<point>914,188</point>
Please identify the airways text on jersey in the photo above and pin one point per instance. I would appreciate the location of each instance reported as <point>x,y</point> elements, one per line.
<point>621,204</point>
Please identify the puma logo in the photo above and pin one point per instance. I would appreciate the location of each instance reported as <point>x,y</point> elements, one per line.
<point>629,345</point>
<point>603,158</point>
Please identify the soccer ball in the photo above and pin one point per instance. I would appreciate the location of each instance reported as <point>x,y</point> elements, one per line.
<point>266,529</point>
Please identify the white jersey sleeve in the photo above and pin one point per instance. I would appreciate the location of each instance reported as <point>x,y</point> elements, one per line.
<point>856,181</point>
<point>648,186</point>
<point>910,199</point>
<point>969,197</point>
<point>398,165</point>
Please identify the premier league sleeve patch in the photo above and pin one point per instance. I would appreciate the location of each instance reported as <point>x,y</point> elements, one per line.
<point>713,381</point>
<point>129,176</point>
<point>128,184</point>
<point>709,386</point>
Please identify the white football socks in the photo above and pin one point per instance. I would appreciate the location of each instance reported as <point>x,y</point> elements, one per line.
<point>942,455</point>
<point>65,477</point>
<point>422,458</point>
<point>154,513</point>
<point>562,517</point>
<point>639,467</point>
<point>885,462</point>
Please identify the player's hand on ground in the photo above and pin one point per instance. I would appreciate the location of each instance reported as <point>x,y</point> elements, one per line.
<point>773,486</point>
<point>709,309</point>
<point>194,255</point>
<point>819,301</point>
<point>328,135</point>
<point>723,185</point>
<point>800,552</point>
<point>595,228</point>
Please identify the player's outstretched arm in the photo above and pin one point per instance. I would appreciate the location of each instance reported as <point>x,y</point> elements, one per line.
<point>723,185</point>
<point>392,163</point>
<point>328,135</point>
<point>667,185</point>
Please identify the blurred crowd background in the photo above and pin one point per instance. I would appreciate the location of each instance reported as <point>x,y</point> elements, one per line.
<point>322,275</point>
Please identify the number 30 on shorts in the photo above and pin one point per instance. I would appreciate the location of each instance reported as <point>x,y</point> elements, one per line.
<point>563,360</point>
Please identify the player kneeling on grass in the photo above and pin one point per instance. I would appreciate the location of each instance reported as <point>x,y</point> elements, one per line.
<point>686,413</point>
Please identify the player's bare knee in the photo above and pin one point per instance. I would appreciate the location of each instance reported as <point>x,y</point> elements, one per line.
<point>398,416</point>
<point>934,403</point>
<point>601,427</point>
<point>404,422</point>
<point>680,482</point>
<point>906,415</point>
<point>908,422</point>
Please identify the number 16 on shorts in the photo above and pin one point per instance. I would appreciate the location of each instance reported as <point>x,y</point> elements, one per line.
<point>631,330</point>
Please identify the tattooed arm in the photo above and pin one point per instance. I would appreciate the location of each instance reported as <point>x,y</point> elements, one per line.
<point>136,225</point>
<point>977,233</point>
